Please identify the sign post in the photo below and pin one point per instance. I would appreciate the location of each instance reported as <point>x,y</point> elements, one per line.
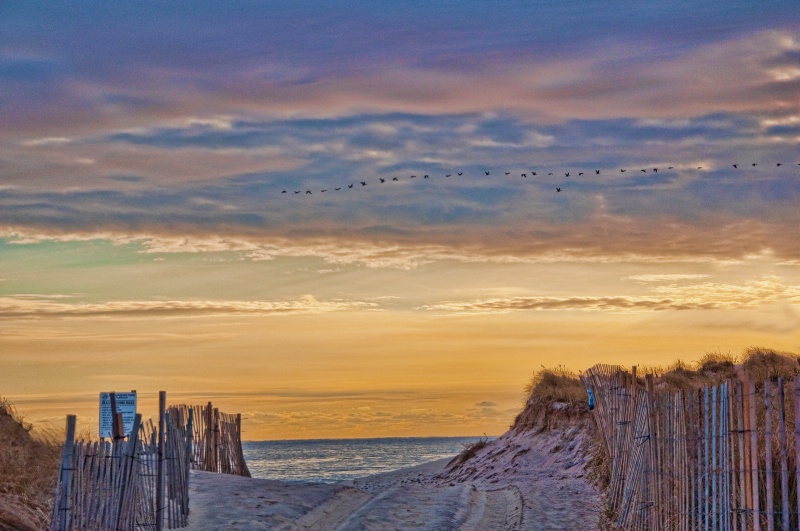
<point>111,409</point>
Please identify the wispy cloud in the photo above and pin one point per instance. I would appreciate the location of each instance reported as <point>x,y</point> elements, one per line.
<point>30,307</point>
<point>701,296</point>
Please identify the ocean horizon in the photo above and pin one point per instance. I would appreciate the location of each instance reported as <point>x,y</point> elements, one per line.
<point>332,460</point>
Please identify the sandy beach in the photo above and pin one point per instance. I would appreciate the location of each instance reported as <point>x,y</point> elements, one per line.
<point>518,481</point>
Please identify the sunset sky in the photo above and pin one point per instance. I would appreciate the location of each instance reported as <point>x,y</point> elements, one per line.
<point>145,242</point>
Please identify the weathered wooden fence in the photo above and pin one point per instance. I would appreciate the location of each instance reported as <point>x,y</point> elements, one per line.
<point>138,483</point>
<point>724,457</point>
<point>217,439</point>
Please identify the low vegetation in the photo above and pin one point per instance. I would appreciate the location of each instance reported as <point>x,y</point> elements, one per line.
<point>28,472</point>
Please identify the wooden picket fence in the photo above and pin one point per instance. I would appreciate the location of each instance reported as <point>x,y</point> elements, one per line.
<point>217,439</point>
<point>723,457</point>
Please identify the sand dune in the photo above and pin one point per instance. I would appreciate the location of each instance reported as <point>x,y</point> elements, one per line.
<point>523,480</point>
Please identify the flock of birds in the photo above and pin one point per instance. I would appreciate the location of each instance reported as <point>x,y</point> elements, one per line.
<point>524,175</point>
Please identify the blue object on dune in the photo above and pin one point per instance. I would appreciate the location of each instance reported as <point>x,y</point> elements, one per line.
<point>591,399</point>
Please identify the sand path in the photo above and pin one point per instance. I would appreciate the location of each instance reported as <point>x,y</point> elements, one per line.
<point>516,483</point>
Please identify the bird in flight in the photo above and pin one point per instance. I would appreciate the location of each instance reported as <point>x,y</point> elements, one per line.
<point>754,164</point>
<point>297,191</point>
<point>324,190</point>
<point>655,170</point>
<point>461,173</point>
<point>623,171</point>
<point>597,172</point>
<point>551,173</point>
<point>669,168</point>
<point>394,178</point>
<point>486,172</point>
<point>699,167</point>
<point>566,174</point>
<point>350,185</point>
<point>425,176</point>
<point>525,175</point>
<point>413,176</point>
<point>363,183</point>
<point>382,180</point>
<point>283,192</point>
<point>558,189</point>
<point>580,173</point>
<point>736,166</point>
<point>338,188</point>
<point>779,164</point>
<point>533,173</point>
<point>448,175</point>
<point>308,192</point>
<point>644,171</point>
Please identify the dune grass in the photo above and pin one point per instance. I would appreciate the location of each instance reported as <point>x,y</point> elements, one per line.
<point>28,472</point>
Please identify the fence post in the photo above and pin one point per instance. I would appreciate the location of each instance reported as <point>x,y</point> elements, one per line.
<point>162,402</point>
<point>65,476</point>
<point>189,441</point>
<point>751,390</point>
<point>127,469</point>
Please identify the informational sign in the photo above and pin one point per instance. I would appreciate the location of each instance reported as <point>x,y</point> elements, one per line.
<point>126,404</point>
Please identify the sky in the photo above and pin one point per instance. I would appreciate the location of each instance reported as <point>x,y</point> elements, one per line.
<point>163,224</point>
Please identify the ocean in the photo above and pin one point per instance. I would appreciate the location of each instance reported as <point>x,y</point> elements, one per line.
<point>330,460</point>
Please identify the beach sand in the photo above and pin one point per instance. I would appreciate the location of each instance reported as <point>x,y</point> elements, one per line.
<point>518,481</point>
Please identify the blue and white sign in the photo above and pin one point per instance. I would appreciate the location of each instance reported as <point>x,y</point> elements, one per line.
<point>126,404</point>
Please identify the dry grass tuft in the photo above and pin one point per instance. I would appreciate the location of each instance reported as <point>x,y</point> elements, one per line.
<point>28,472</point>
<point>469,451</point>
<point>553,394</point>
<point>556,385</point>
<point>763,363</point>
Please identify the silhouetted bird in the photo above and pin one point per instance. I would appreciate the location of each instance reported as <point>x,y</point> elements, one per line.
<point>394,178</point>
<point>324,190</point>
<point>508,173</point>
<point>558,189</point>
<point>623,171</point>
<point>461,173</point>
<point>779,164</point>
<point>699,167</point>
<point>382,180</point>
<point>580,173</point>
<point>308,192</point>
<point>644,171</point>
<point>736,166</point>
<point>486,172</point>
<point>448,175</point>
<point>566,174</point>
<point>533,173</point>
<point>338,188</point>
<point>525,175</point>
<point>413,177</point>
<point>597,172</point>
<point>297,191</point>
<point>283,192</point>
<point>350,185</point>
<point>363,183</point>
<point>669,168</point>
<point>754,164</point>
<point>425,176</point>
<point>655,170</point>
<point>551,173</point>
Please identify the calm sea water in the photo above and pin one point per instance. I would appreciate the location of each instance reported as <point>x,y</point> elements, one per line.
<point>329,460</point>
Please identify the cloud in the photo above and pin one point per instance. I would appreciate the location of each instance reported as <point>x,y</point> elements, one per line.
<point>700,296</point>
<point>12,307</point>
<point>616,304</point>
<point>666,277</point>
